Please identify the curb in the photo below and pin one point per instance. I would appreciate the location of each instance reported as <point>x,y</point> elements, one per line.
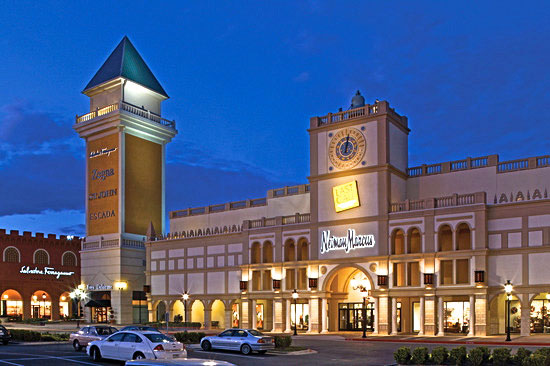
<point>484,343</point>
<point>36,343</point>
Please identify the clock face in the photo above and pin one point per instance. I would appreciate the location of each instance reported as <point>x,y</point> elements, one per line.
<point>347,148</point>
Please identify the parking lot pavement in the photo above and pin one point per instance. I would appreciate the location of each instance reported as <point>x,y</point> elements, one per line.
<point>45,355</point>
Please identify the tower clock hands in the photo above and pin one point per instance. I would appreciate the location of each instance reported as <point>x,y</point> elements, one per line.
<point>347,142</point>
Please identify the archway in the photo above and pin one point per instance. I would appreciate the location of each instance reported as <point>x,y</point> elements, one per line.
<point>290,251</point>
<point>197,312</point>
<point>12,304</point>
<point>178,311</point>
<point>497,315</point>
<point>41,305</point>
<point>161,311</point>
<point>64,305</point>
<point>218,314</point>
<point>346,285</point>
<point>540,313</point>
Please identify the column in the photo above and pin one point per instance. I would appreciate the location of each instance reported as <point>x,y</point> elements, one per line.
<point>383,315</point>
<point>422,318</point>
<point>525,314</point>
<point>440,316</point>
<point>278,320</point>
<point>54,307</point>
<point>429,316</point>
<point>313,315</point>
<point>253,324</point>
<point>393,315</point>
<point>287,321</point>
<point>187,311</point>
<point>227,318</point>
<point>471,330</point>
<point>324,328</point>
<point>245,315</point>
<point>207,316</point>
<point>375,325</point>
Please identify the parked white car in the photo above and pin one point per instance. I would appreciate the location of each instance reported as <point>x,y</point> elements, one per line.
<point>133,345</point>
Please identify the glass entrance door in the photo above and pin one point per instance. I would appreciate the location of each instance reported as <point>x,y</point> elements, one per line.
<point>350,316</point>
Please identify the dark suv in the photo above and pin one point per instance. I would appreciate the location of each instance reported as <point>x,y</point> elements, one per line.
<point>5,334</point>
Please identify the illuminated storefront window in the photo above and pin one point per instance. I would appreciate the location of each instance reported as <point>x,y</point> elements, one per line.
<point>351,316</point>
<point>300,314</point>
<point>235,315</point>
<point>64,305</point>
<point>260,316</point>
<point>41,305</point>
<point>540,317</point>
<point>416,316</point>
<point>12,304</point>
<point>457,316</point>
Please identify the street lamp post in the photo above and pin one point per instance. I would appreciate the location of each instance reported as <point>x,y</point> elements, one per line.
<point>295,297</point>
<point>185,297</point>
<point>508,289</point>
<point>78,294</point>
<point>362,287</point>
<point>44,304</point>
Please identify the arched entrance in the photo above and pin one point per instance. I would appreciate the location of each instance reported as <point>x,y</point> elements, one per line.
<point>197,312</point>
<point>347,287</point>
<point>12,304</point>
<point>218,314</point>
<point>178,311</point>
<point>161,310</point>
<point>497,314</point>
<point>41,305</point>
<point>64,307</point>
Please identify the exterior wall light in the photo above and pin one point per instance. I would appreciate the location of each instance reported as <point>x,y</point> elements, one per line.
<point>276,285</point>
<point>313,282</point>
<point>428,279</point>
<point>121,285</point>
<point>383,280</point>
<point>243,285</point>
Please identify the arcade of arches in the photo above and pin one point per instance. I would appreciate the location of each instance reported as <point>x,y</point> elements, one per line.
<point>39,305</point>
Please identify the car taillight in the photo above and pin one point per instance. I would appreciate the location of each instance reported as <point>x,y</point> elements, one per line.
<point>272,340</point>
<point>261,340</point>
<point>158,348</point>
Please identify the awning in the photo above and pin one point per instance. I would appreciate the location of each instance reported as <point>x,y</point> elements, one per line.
<point>98,304</point>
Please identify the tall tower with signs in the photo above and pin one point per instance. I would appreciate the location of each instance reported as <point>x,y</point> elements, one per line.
<point>359,161</point>
<point>125,158</point>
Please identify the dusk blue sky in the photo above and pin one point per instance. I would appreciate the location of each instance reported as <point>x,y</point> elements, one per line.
<point>244,78</point>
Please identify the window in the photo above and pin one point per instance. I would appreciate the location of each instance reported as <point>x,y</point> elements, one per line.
<point>290,279</point>
<point>255,254</point>
<point>41,257</point>
<point>445,238</point>
<point>227,333</point>
<point>69,259</point>
<point>398,242</point>
<point>303,254</point>
<point>462,271</point>
<point>302,279</point>
<point>446,270</point>
<point>415,241</point>
<point>413,274</point>
<point>266,286</point>
<point>11,255</point>
<point>117,337</point>
<point>268,252</point>
<point>290,251</point>
<point>256,280</point>
<point>399,274</point>
<point>463,237</point>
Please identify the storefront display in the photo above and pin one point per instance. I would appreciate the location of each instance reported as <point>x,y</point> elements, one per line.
<point>351,316</point>
<point>235,315</point>
<point>260,316</point>
<point>299,313</point>
<point>457,316</point>
<point>540,317</point>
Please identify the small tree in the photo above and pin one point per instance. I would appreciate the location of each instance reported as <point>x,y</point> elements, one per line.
<point>402,355</point>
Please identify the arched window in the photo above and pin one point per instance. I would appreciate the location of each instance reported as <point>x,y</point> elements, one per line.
<point>303,252</point>
<point>11,255</point>
<point>69,259</point>
<point>445,238</point>
<point>398,242</point>
<point>463,237</point>
<point>290,251</point>
<point>267,252</point>
<point>415,241</point>
<point>41,257</point>
<point>255,253</point>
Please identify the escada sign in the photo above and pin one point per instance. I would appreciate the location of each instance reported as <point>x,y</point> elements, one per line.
<point>47,271</point>
<point>346,243</point>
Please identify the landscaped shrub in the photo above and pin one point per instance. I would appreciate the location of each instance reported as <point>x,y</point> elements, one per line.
<point>420,356</point>
<point>475,356</point>
<point>521,355</point>
<point>402,355</point>
<point>282,341</point>
<point>501,356</point>
<point>189,337</point>
<point>540,357</point>
<point>439,355</point>
<point>535,360</point>
<point>25,335</point>
<point>458,355</point>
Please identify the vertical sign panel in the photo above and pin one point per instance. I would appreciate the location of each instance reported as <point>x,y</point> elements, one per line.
<point>103,190</point>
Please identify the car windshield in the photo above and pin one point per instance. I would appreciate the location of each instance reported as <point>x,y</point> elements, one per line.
<point>105,331</point>
<point>255,333</point>
<point>159,338</point>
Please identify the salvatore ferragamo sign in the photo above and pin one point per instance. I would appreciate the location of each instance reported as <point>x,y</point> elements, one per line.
<point>346,243</point>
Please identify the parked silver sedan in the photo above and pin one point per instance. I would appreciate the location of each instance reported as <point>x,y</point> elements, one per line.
<point>244,340</point>
<point>85,335</point>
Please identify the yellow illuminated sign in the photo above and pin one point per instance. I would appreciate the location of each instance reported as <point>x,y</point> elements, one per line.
<point>346,196</point>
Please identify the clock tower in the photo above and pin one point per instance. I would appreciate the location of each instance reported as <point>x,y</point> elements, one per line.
<point>358,166</point>
<point>125,158</point>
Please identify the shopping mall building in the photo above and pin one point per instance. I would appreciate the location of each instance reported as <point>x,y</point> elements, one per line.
<point>428,248</point>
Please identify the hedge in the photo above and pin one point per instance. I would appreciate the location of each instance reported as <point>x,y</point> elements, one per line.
<point>194,325</point>
<point>32,336</point>
<point>189,337</point>
<point>282,341</point>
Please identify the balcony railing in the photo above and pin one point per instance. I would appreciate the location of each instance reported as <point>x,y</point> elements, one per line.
<point>439,202</point>
<point>138,111</point>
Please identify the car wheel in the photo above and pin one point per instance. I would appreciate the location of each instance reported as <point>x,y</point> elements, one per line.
<point>77,346</point>
<point>138,356</point>
<point>245,349</point>
<point>5,341</point>
<point>206,346</point>
<point>262,352</point>
<point>96,354</point>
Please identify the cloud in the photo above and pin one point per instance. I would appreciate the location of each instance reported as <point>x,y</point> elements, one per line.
<point>63,222</point>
